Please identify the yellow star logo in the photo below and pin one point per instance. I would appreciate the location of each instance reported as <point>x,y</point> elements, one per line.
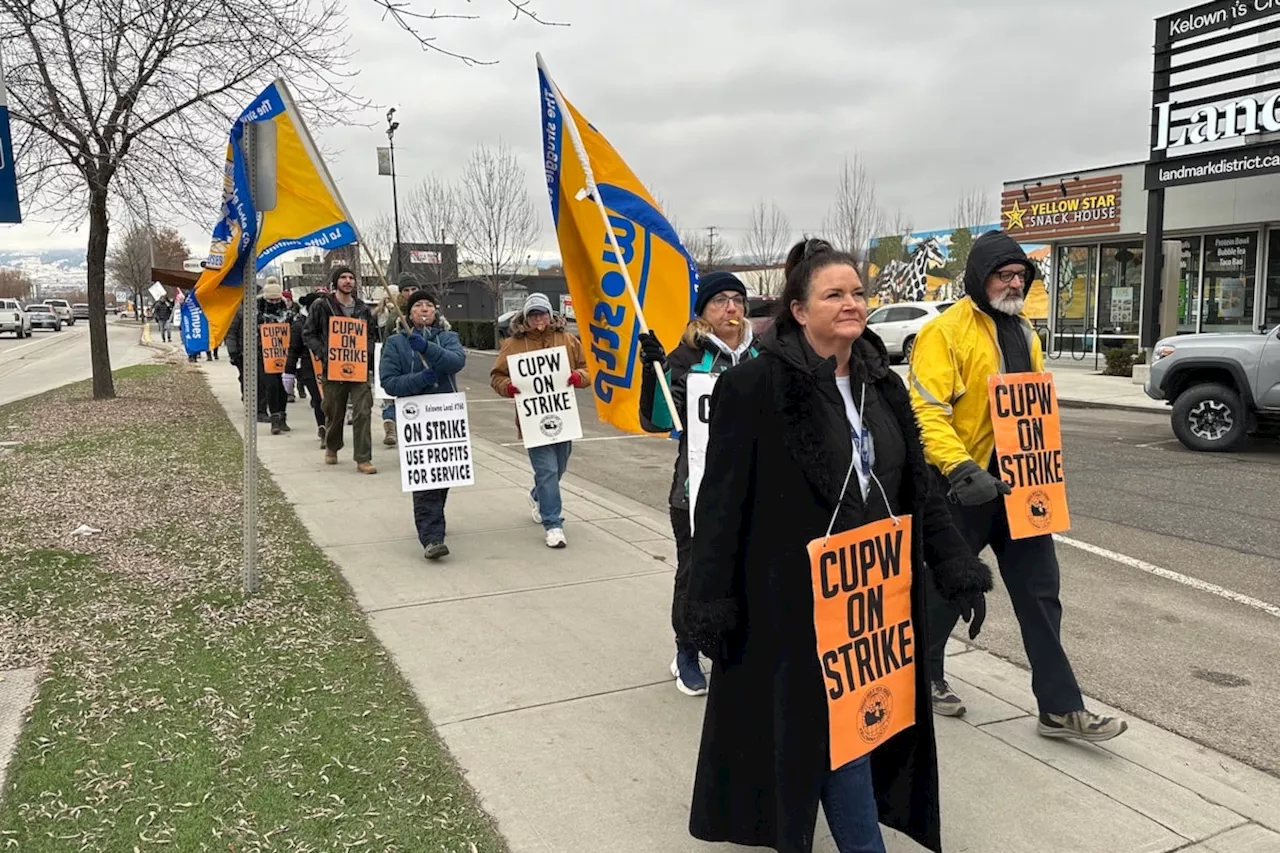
<point>1015,215</point>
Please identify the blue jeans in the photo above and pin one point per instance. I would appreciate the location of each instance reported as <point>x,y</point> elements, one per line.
<point>549,463</point>
<point>389,412</point>
<point>849,802</point>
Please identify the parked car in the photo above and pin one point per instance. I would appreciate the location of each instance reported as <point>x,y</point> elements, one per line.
<point>899,323</point>
<point>504,323</point>
<point>62,308</point>
<point>1221,387</point>
<point>44,317</point>
<point>14,319</point>
<point>80,311</point>
<point>760,313</point>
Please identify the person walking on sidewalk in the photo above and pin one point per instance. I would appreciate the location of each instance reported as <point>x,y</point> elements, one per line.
<point>717,338</point>
<point>299,363</point>
<point>343,301</point>
<point>534,329</point>
<point>162,313</point>
<point>815,435</point>
<point>390,323</point>
<point>982,334</point>
<point>424,359</point>
<point>272,398</point>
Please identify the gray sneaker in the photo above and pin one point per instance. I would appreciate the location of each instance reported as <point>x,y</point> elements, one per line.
<point>1081,725</point>
<point>435,550</point>
<point>945,701</point>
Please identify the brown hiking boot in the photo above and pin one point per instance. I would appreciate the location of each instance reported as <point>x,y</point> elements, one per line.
<point>331,457</point>
<point>366,468</point>
<point>389,433</point>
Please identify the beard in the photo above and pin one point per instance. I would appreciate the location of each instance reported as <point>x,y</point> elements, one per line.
<point>1009,303</point>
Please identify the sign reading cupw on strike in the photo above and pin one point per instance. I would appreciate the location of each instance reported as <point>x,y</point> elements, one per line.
<point>546,407</point>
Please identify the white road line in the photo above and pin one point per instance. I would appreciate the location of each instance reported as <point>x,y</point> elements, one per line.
<point>594,438</point>
<point>1176,577</point>
<point>1158,443</point>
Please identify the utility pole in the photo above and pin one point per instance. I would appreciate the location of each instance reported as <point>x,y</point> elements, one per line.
<point>711,245</point>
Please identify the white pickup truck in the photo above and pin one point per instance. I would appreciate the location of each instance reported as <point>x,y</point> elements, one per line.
<point>14,319</point>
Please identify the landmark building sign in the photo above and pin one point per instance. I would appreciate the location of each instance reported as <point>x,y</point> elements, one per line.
<point>1218,48</point>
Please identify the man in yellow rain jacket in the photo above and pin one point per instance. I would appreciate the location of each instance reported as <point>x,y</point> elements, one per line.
<point>982,334</point>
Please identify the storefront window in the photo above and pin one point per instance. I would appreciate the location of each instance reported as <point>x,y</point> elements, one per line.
<point>1075,282</point>
<point>1272,305</point>
<point>1230,274</point>
<point>1119,293</point>
<point>1189,285</point>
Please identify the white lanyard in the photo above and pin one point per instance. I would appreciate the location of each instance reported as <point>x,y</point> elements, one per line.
<point>862,447</point>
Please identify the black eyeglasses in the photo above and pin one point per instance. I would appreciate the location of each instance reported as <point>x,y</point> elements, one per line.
<point>1007,276</point>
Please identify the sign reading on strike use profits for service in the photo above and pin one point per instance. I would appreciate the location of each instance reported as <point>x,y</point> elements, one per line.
<point>348,350</point>
<point>1028,429</point>
<point>275,346</point>
<point>697,420</point>
<point>435,442</point>
<point>546,405</point>
<point>866,639</point>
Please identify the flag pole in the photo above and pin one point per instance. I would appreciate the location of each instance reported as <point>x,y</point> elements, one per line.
<point>593,192</point>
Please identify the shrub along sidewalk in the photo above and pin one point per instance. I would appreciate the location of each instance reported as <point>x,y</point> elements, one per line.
<point>174,711</point>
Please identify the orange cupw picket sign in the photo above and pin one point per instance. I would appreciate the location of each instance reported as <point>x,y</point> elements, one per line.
<point>866,637</point>
<point>317,370</point>
<point>348,359</point>
<point>1028,432</point>
<point>274,339</point>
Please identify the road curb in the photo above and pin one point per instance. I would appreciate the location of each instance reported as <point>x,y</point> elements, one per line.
<point>1115,407</point>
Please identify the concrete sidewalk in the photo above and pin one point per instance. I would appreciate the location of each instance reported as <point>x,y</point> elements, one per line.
<point>546,674</point>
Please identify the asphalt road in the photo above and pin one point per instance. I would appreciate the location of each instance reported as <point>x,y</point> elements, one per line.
<point>1173,651</point>
<point>49,359</point>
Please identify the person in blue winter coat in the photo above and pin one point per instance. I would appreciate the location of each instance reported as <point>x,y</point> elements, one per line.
<point>424,359</point>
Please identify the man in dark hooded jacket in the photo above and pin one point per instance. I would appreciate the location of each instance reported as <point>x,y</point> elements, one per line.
<point>982,334</point>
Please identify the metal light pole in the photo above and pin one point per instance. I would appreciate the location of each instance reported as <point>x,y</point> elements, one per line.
<point>392,126</point>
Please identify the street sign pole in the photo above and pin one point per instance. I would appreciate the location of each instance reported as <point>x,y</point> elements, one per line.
<point>260,158</point>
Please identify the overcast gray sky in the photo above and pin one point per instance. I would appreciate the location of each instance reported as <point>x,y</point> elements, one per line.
<point>716,103</point>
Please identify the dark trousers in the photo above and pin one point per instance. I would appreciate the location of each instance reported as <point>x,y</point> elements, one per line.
<point>336,397</point>
<point>684,550</point>
<point>428,515</point>
<point>272,389</point>
<point>849,802</point>
<point>1029,568</point>
<point>313,394</point>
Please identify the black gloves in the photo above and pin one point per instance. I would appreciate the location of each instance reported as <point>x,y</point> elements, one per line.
<point>973,610</point>
<point>972,486</point>
<point>651,351</point>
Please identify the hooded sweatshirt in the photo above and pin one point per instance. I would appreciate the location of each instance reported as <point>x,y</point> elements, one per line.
<point>990,252</point>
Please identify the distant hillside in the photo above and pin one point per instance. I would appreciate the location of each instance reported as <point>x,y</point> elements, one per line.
<point>50,269</point>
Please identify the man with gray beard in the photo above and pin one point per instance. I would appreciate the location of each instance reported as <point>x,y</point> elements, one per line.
<point>955,354</point>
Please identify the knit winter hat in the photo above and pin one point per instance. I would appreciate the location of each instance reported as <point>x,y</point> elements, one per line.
<point>419,296</point>
<point>338,272</point>
<point>713,283</point>
<point>272,291</point>
<point>536,302</point>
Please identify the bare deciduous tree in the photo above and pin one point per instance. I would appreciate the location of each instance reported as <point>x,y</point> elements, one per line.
<point>15,284</point>
<point>767,240</point>
<point>433,212</point>
<point>379,234</point>
<point>855,216</point>
<point>411,21</point>
<point>708,248</point>
<point>116,98</point>
<point>972,209</point>
<point>129,263</point>
<point>498,223</point>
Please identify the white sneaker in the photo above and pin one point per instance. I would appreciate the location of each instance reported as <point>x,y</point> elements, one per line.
<point>555,538</point>
<point>533,508</point>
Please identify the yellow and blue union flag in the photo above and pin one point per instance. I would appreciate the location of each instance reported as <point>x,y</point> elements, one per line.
<point>308,212</point>
<point>660,269</point>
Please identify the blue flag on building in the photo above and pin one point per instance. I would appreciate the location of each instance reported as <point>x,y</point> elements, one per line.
<point>9,211</point>
<point>195,328</point>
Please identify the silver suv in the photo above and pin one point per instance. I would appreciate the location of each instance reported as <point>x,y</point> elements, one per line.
<point>1221,387</point>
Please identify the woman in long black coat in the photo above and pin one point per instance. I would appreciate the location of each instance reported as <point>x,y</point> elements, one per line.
<point>780,447</point>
